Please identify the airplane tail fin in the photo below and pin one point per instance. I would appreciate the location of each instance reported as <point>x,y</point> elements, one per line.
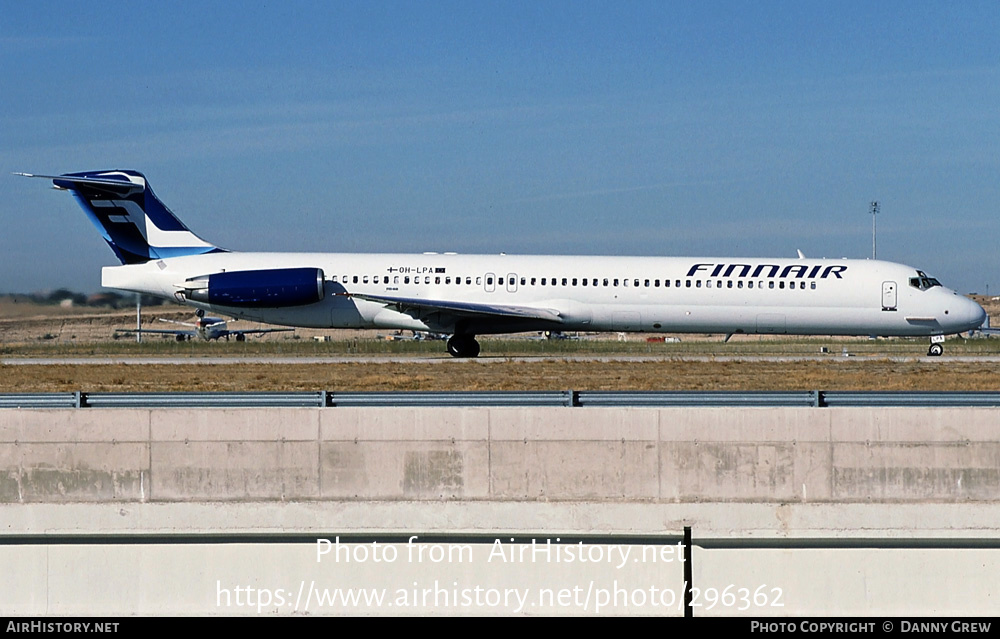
<point>133,221</point>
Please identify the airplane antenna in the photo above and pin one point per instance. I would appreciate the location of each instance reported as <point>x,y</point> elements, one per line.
<point>138,318</point>
<point>874,210</point>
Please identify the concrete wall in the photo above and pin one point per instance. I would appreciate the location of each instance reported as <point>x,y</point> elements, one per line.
<point>107,581</point>
<point>684,455</point>
<point>83,492</point>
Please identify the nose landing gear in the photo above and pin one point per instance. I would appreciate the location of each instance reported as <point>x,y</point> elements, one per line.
<point>937,347</point>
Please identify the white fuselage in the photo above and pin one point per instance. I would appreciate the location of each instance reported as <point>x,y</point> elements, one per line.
<point>649,294</point>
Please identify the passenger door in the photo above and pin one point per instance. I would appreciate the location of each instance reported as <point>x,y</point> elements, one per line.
<point>888,296</point>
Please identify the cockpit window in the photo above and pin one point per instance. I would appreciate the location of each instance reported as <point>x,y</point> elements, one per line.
<point>923,282</point>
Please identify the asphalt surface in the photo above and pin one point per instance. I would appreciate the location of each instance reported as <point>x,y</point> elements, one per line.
<point>486,359</point>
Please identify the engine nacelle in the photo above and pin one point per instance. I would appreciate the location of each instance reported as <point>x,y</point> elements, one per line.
<point>273,288</point>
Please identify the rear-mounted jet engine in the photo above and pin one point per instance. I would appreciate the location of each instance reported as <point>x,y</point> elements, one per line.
<point>272,288</point>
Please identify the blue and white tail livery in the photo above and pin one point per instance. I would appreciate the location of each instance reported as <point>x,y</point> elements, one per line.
<point>132,220</point>
<point>469,295</point>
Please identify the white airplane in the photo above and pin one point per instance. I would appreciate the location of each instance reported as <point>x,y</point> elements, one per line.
<point>470,295</point>
<point>205,327</point>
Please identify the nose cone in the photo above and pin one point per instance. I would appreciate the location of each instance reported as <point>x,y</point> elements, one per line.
<point>974,314</point>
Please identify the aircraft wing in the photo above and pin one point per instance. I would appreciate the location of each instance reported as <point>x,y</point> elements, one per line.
<point>133,331</point>
<point>258,331</point>
<point>466,309</point>
<point>170,321</point>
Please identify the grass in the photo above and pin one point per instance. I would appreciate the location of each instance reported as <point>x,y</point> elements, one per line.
<point>499,347</point>
<point>503,374</point>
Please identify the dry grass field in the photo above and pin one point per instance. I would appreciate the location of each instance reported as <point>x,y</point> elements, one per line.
<point>545,374</point>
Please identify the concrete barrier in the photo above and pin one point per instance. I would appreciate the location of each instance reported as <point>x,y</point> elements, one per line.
<point>685,455</point>
<point>174,508</point>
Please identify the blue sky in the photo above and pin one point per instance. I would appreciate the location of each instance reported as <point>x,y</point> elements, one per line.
<point>629,128</point>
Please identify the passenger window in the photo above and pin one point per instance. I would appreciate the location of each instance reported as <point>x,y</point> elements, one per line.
<point>749,284</point>
<point>698,284</point>
<point>532,281</point>
<point>812,285</point>
<point>605,281</point>
<point>355,279</point>
<point>543,281</point>
<point>729,283</point>
<point>656,283</point>
<point>739,284</point>
<point>687,283</point>
<point>595,281</point>
<point>574,281</point>
<point>489,281</point>
<point>770,284</point>
<point>616,282</point>
<point>522,281</point>
<point>583,281</point>
<point>564,281</point>
<point>781,285</point>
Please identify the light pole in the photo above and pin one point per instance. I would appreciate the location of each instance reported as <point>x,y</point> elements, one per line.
<point>874,210</point>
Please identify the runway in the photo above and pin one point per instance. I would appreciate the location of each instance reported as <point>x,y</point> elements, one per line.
<point>487,360</point>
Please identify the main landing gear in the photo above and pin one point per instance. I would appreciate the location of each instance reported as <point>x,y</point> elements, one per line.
<point>463,346</point>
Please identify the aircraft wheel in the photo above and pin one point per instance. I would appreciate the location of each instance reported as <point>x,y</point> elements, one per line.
<point>240,337</point>
<point>463,346</point>
<point>935,350</point>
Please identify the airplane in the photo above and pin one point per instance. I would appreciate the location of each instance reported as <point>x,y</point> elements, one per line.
<point>415,336</point>
<point>470,295</point>
<point>984,330</point>
<point>205,327</point>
